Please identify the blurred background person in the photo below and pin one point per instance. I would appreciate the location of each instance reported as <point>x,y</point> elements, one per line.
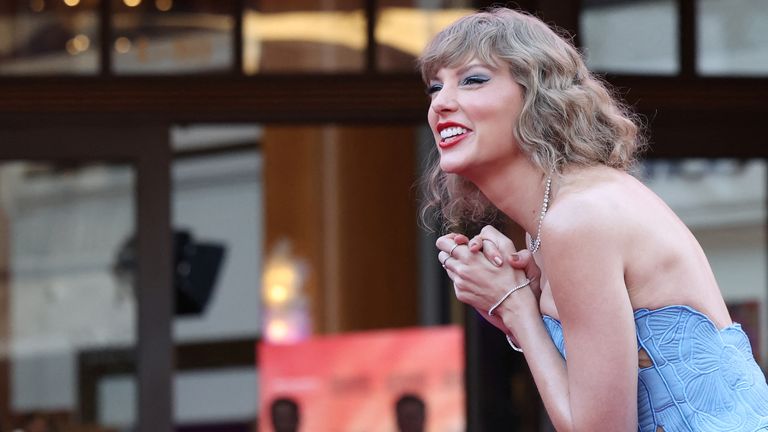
<point>285,415</point>
<point>411,413</point>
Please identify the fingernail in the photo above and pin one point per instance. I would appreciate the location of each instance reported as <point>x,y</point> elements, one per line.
<point>515,257</point>
<point>498,261</point>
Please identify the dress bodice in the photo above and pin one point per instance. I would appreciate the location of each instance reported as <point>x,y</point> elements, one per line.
<point>700,378</point>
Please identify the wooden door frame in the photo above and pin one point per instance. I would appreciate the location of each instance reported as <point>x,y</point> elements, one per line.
<point>148,151</point>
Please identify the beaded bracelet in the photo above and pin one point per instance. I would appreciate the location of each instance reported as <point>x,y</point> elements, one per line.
<point>512,344</point>
<point>509,293</point>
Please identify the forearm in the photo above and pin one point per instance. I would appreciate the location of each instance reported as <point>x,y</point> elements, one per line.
<point>546,364</point>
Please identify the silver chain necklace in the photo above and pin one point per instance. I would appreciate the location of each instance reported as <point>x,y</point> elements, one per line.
<point>536,242</point>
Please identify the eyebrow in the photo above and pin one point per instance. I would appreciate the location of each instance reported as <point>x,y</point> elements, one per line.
<point>473,64</point>
<point>466,67</point>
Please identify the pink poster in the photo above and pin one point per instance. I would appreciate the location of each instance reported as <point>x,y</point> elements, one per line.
<point>350,382</point>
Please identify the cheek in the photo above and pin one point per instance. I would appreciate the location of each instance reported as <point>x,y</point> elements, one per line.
<point>432,119</point>
<point>499,125</point>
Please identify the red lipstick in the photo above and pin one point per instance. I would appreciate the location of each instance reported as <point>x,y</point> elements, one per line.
<point>453,140</point>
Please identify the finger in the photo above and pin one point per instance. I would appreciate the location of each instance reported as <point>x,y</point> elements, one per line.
<point>520,259</point>
<point>443,258</point>
<point>489,248</point>
<point>476,243</point>
<point>523,259</point>
<point>502,241</point>
<point>448,241</point>
<point>452,235</point>
<point>448,262</point>
<point>461,239</point>
<point>491,252</point>
<point>490,231</point>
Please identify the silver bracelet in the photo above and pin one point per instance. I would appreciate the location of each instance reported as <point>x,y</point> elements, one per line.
<point>512,344</point>
<point>509,293</point>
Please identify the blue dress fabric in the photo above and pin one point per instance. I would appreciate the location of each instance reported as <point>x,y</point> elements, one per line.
<point>701,379</point>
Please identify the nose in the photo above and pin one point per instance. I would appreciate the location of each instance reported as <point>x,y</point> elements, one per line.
<point>444,101</point>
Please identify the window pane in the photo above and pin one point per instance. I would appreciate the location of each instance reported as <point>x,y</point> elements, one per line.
<point>228,179</point>
<point>172,37</point>
<point>217,214</point>
<point>403,28</point>
<point>39,37</point>
<point>732,37</point>
<point>304,36</point>
<point>723,203</point>
<point>632,37</point>
<point>68,301</point>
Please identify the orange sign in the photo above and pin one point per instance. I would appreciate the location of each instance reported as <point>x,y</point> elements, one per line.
<point>350,383</point>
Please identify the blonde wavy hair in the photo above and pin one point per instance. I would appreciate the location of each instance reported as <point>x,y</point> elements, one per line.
<point>569,116</point>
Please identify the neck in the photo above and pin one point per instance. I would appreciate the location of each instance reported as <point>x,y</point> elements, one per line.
<point>517,190</point>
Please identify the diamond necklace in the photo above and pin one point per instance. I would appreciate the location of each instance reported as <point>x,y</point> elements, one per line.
<point>535,243</point>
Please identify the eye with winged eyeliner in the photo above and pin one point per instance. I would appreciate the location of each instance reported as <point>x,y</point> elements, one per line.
<point>475,79</point>
<point>433,88</point>
<point>470,80</point>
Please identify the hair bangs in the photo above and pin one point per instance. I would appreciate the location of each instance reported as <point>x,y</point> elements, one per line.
<point>471,37</point>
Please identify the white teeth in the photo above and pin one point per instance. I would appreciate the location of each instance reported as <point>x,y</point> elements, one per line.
<point>452,131</point>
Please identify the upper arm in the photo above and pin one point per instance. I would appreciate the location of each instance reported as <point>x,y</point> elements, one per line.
<point>585,267</point>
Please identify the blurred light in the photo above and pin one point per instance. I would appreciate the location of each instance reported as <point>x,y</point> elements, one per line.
<point>278,331</point>
<point>71,3</point>
<point>409,30</point>
<point>71,47</point>
<point>81,42</point>
<point>123,45</point>
<point>78,44</point>
<point>280,279</point>
<point>37,5</point>
<point>164,5</point>
<point>286,314</point>
<point>277,294</point>
<point>132,3</point>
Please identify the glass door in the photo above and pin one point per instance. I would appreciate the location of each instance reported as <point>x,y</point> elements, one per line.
<point>85,286</point>
<point>69,297</point>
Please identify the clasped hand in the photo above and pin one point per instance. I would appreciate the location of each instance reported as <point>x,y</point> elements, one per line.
<point>486,267</point>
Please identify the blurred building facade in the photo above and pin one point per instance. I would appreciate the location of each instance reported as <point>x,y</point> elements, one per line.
<point>251,124</point>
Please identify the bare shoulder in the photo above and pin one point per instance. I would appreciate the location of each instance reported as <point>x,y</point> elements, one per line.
<point>584,255</point>
<point>588,215</point>
<point>595,220</point>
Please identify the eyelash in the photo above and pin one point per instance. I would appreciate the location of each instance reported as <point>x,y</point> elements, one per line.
<point>434,88</point>
<point>470,80</point>
<point>474,79</point>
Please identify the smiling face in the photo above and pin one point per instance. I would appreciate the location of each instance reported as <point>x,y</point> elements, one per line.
<point>473,112</point>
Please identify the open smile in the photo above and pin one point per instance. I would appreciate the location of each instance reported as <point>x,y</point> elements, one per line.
<point>451,133</point>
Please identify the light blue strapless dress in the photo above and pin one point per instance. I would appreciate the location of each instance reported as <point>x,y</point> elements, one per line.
<point>701,379</point>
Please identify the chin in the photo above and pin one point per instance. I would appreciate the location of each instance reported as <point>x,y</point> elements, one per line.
<point>452,166</point>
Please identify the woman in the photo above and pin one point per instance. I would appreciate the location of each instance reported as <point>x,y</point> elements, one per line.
<point>635,334</point>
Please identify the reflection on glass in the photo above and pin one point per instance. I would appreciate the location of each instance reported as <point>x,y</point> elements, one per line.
<point>723,203</point>
<point>732,38</point>
<point>217,206</point>
<point>282,36</point>
<point>172,37</point>
<point>403,29</point>
<point>40,37</point>
<point>66,316</point>
<point>637,37</point>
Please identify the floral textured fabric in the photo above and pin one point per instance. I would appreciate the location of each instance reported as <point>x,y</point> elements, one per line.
<point>699,379</point>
